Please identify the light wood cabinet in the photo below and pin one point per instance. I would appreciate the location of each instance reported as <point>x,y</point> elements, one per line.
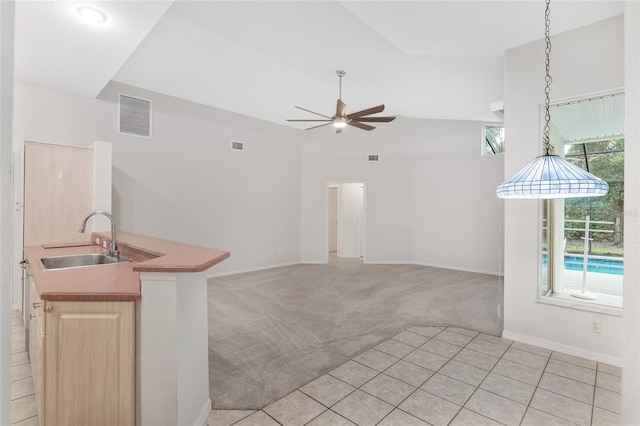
<point>83,360</point>
<point>58,192</point>
<point>36,342</point>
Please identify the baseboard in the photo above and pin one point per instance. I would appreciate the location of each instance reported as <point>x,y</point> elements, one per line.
<point>559,347</point>
<point>204,414</point>
<point>257,268</point>
<point>457,268</point>
<point>377,262</point>
<point>431,265</point>
<point>389,262</point>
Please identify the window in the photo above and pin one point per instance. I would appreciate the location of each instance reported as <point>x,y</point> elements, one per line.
<point>583,238</point>
<point>492,139</point>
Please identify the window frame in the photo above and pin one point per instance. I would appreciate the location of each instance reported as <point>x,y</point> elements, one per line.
<point>547,292</point>
<point>485,142</point>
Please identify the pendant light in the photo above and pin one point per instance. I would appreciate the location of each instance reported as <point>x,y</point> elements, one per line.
<point>549,175</point>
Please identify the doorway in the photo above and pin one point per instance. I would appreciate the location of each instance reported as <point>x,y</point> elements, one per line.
<point>346,220</point>
<point>333,219</point>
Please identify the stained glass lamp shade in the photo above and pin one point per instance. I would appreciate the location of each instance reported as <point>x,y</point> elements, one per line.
<point>551,176</point>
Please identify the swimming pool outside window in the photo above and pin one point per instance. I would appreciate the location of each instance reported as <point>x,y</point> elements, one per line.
<point>583,245</point>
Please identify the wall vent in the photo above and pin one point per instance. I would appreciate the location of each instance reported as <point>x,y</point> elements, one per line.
<point>134,116</point>
<point>373,157</point>
<point>237,146</point>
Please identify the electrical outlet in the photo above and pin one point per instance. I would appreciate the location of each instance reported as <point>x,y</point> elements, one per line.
<point>595,326</point>
<point>499,311</point>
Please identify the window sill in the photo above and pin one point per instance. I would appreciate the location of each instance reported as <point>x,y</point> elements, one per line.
<point>565,300</point>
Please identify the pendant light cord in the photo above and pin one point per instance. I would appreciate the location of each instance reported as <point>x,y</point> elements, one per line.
<point>548,149</point>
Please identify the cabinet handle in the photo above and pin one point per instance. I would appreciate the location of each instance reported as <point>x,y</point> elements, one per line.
<point>48,309</point>
<point>31,316</point>
<point>36,305</point>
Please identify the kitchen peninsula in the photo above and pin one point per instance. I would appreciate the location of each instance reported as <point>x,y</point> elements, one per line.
<point>156,303</point>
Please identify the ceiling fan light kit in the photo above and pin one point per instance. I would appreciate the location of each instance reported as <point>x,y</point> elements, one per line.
<point>340,123</point>
<point>341,119</point>
<point>551,176</point>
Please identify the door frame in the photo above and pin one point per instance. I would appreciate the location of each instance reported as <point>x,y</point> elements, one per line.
<point>362,231</point>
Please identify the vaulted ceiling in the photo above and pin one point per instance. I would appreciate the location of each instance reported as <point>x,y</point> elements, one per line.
<point>423,59</point>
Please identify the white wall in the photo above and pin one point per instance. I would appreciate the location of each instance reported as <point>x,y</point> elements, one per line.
<point>186,183</point>
<point>456,214</point>
<point>6,205</point>
<point>327,157</point>
<point>429,200</point>
<point>584,61</point>
<point>631,330</point>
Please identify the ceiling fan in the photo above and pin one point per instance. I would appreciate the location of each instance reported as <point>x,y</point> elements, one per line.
<point>341,119</point>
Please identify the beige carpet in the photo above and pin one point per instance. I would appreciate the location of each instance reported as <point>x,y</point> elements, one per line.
<point>272,331</point>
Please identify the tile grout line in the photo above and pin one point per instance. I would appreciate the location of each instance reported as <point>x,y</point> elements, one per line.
<point>328,409</point>
<point>480,384</point>
<point>449,359</point>
<point>239,420</point>
<point>438,370</point>
<point>397,406</point>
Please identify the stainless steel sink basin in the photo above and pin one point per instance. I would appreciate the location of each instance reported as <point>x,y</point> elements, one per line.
<point>77,261</point>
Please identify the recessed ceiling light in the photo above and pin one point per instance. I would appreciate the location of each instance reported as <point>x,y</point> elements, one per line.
<point>92,15</point>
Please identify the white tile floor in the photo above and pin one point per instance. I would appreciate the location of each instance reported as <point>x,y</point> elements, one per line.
<point>449,376</point>
<point>421,376</point>
<point>23,399</point>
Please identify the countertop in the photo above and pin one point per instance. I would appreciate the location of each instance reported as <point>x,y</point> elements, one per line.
<point>116,282</point>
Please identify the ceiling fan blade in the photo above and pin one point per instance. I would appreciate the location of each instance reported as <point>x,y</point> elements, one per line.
<point>368,111</point>
<point>373,119</point>
<point>361,126</point>
<point>341,108</point>
<point>300,119</point>
<point>313,112</point>
<point>320,125</point>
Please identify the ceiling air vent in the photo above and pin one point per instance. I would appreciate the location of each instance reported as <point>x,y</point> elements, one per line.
<point>237,146</point>
<point>373,157</point>
<point>134,116</point>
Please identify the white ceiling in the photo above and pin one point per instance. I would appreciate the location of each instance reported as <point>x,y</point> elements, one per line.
<point>427,59</point>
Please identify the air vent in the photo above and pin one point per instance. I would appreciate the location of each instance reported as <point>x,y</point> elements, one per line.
<point>134,116</point>
<point>237,146</point>
<point>373,157</point>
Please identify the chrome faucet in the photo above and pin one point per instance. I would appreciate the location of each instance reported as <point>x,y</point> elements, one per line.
<point>113,247</point>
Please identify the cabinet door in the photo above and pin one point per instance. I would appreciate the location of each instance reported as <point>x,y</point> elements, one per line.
<point>58,192</point>
<point>90,363</point>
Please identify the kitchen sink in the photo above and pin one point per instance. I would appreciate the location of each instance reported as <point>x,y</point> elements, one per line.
<point>78,261</point>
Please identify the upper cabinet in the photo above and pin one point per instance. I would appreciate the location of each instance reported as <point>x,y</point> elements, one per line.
<point>58,192</point>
